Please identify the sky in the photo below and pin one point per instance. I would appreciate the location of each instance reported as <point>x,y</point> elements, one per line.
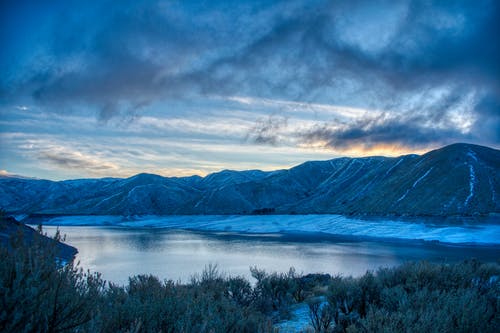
<point>176,88</point>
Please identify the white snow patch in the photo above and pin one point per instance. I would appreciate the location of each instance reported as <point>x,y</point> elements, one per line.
<point>363,190</point>
<point>420,179</point>
<point>328,224</point>
<point>472,178</point>
<point>346,170</point>
<point>198,203</point>
<point>300,321</point>
<point>414,184</point>
<point>108,198</point>
<point>493,192</point>
<point>335,175</point>
<point>394,166</point>
<point>403,196</point>
<point>472,155</point>
<point>85,220</point>
<point>472,181</point>
<point>420,162</point>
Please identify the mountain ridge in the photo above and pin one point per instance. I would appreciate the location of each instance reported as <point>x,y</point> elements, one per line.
<point>459,179</point>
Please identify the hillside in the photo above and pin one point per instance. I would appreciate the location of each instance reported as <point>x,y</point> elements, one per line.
<point>10,228</point>
<point>459,179</point>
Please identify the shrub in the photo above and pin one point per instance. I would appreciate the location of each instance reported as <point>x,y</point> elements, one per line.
<point>274,292</point>
<point>419,297</point>
<point>39,294</point>
<point>321,315</point>
<point>239,290</point>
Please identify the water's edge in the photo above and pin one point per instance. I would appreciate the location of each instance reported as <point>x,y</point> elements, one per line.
<point>323,227</point>
<point>119,252</point>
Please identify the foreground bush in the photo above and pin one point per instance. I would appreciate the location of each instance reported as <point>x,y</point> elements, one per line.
<point>419,297</point>
<point>38,293</point>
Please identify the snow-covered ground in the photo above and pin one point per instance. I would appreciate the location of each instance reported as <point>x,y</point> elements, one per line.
<point>325,224</point>
<point>299,321</point>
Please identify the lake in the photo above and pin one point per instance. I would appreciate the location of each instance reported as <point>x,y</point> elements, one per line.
<point>119,252</point>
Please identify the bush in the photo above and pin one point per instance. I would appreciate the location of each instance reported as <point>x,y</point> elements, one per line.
<point>210,303</point>
<point>321,315</point>
<point>39,293</point>
<point>419,297</point>
<point>275,292</point>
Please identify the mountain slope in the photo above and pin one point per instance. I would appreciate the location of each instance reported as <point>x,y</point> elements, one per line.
<point>459,179</point>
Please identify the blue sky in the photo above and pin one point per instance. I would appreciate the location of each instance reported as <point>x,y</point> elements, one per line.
<point>107,88</point>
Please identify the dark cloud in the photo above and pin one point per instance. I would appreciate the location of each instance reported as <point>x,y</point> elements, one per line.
<point>385,55</point>
<point>72,160</point>
<point>431,43</point>
<point>266,130</point>
<point>487,124</point>
<point>411,131</point>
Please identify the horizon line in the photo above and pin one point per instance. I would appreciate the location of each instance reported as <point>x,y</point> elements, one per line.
<point>5,174</point>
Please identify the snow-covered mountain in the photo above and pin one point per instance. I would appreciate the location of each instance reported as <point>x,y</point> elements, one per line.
<point>460,179</point>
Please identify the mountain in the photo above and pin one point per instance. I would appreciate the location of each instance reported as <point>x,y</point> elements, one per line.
<point>459,179</point>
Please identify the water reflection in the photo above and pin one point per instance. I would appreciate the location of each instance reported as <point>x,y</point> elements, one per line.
<point>119,253</point>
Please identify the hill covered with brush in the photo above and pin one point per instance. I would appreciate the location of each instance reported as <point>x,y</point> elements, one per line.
<point>459,179</point>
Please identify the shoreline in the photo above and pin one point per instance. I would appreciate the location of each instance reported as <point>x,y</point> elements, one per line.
<point>312,229</point>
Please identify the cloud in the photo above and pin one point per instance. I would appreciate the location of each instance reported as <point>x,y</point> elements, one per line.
<point>53,153</point>
<point>75,160</point>
<point>488,118</point>
<point>409,131</point>
<point>117,60</point>
<point>6,174</point>
<point>266,130</point>
<point>127,56</point>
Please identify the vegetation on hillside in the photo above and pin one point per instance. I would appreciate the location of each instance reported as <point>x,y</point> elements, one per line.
<point>39,293</point>
<point>456,180</point>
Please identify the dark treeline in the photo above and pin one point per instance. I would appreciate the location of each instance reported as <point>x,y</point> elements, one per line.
<point>39,293</point>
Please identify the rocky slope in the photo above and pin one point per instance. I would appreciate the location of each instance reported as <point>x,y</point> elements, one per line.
<point>460,179</point>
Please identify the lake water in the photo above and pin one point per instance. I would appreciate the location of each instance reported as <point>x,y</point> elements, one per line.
<point>119,252</point>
